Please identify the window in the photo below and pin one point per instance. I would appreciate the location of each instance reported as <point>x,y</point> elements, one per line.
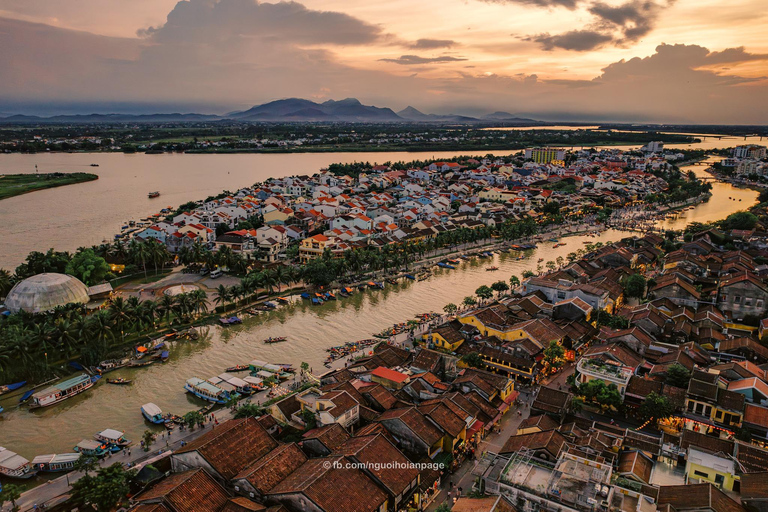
<point>737,299</point>
<point>759,303</point>
<point>700,473</point>
<point>719,414</point>
<point>747,301</point>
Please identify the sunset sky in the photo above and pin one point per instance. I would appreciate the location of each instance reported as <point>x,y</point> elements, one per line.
<point>686,61</point>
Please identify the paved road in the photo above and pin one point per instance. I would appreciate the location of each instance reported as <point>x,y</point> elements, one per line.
<point>492,443</point>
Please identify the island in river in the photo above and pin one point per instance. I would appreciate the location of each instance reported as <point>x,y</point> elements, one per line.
<point>17,184</point>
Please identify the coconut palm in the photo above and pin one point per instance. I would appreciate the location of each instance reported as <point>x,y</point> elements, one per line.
<point>120,313</point>
<point>222,295</point>
<point>199,301</point>
<point>166,307</point>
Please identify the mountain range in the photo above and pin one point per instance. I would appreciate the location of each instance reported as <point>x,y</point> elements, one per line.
<point>349,110</point>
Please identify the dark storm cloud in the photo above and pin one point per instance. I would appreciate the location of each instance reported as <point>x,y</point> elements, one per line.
<point>576,40</point>
<point>431,44</point>
<point>632,19</point>
<point>292,22</point>
<point>409,60</point>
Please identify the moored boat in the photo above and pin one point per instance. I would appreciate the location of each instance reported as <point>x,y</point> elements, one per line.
<point>233,320</point>
<point>316,301</point>
<point>283,300</point>
<point>442,264</point>
<point>152,413</point>
<point>112,438</point>
<point>63,390</point>
<point>207,391</point>
<point>152,195</point>
<point>410,276</point>
<point>119,381</point>
<point>238,368</point>
<point>276,339</point>
<point>491,269</point>
<point>13,465</point>
<point>11,387</point>
<point>391,281</point>
<point>91,448</point>
<point>54,463</point>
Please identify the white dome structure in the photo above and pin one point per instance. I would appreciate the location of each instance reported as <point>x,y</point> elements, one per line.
<point>45,292</point>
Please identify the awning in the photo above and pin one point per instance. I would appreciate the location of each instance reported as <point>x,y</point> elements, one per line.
<point>476,427</point>
<point>512,397</point>
<point>141,349</point>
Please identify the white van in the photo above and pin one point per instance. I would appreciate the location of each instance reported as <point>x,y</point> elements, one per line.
<point>216,273</point>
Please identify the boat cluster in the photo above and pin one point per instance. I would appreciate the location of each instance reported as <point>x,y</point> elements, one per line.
<point>348,348</point>
<point>225,387</point>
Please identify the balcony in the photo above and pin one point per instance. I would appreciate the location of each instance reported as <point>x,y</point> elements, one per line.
<point>605,371</point>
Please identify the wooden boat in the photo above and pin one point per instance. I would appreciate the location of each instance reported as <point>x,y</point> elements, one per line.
<point>391,281</point>
<point>305,295</point>
<point>152,413</point>
<point>238,368</point>
<point>445,265</point>
<point>119,382</point>
<point>410,276</point>
<point>56,463</point>
<point>112,438</point>
<point>491,269</point>
<point>13,465</point>
<point>454,262</point>
<point>207,391</point>
<point>330,296</point>
<point>276,339</point>
<point>152,195</point>
<point>139,364</point>
<point>11,387</point>
<point>109,365</point>
<point>163,356</point>
<point>283,300</point>
<point>92,448</point>
<point>63,390</point>
<point>316,301</point>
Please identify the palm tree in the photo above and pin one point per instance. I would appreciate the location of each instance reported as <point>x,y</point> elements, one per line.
<point>166,307</point>
<point>222,295</point>
<point>101,326</point>
<point>120,313</point>
<point>268,280</point>
<point>282,276</point>
<point>147,312</point>
<point>6,282</point>
<point>199,301</point>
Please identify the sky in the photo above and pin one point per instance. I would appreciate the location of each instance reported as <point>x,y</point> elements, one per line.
<point>661,61</point>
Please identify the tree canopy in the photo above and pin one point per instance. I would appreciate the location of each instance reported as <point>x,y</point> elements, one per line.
<point>88,267</point>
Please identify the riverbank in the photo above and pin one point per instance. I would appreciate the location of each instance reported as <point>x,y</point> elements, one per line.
<point>17,184</point>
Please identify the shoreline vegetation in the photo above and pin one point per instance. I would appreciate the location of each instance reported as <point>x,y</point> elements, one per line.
<point>12,185</point>
<point>71,333</point>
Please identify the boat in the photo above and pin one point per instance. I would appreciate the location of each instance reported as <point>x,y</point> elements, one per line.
<point>139,364</point>
<point>94,165</point>
<point>63,390</point>
<point>54,463</point>
<point>454,262</point>
<point>540,260</point>
<point>26,396</point>
<point>330,296</point>
<point>424,277</point>
<point>152,413</point>
<point>305,295</point>
<point>152,195</point>
<point>316,301</point>
<point>119,381</point>
<point>13,465</point>
<point>232,384</point>
<point>207,391</point>
<point>238,368</point>
<point>270,305</point>
<point>410,276</point>
<point>92,448</point>
<point>491,269</point>
<point>163,356</point>
<point>283,300</point>
<point>445,265</point>
<point>109,365</point>
<point>391,281</point>
<point>276,339</point>
<point>11,387</point>
<point>376,284</point>
<point>112,438</point>
<point>230,321</point>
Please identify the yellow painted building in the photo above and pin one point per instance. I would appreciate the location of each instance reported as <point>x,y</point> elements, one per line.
<point>313,247</point>
<point>704,467</point>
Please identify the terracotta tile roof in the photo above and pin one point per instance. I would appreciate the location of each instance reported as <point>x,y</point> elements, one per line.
<point>445,418</point>
<point>550,440</point>
<point>241,504</point>
<point>705,442</point>
<point>150,507</point>
<point>380,396</point>
<point>336,489</point>
<point>753,458</point>
<point>188,491</point>
<point>377,448</point>
<point>391,375</point>
<point>636,464</point>
<point>269,470</point>
<point>427,360</point>
<point>232,445</point>
<point>542,422</point>
<point>551,400</point>
<point>332,436</point>
<point>697,497</point>
<point>415,422</point>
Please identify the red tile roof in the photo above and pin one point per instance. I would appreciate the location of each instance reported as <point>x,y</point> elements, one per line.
<point>391,375</point>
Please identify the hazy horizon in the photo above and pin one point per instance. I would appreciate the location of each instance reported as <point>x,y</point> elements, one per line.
<point>643,61</point>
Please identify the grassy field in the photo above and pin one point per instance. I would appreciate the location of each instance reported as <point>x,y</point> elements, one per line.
<point>17,184</point>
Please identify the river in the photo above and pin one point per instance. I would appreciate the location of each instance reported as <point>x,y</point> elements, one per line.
<point>310,330</point>
<point>87,213</point>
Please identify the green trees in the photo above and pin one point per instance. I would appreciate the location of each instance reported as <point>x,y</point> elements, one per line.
<point>554,356</point>
<point>613,321</point>
<point>740,220</point>
<point>597,391</point>
<point>469,301</point>
<point>450,308</point>
<point>193,418</point>
<point>634,286</point>
<point>656,407</point>
<point>309,419</point>
<point>10,493</point>
<point>149,438</point>
<point>484,292</point>
<point>473,359</point>
<point>500,287</point>
<point>105,490</point>
<point>678,376</point>
<point>86,464</point>
<point>514,282</point>
<point>249,411</point>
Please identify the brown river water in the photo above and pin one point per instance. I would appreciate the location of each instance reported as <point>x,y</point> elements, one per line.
<point>92,211</point>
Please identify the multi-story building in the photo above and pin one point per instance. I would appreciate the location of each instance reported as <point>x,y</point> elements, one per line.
<point>544,155</point>
<point>752,151</point>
